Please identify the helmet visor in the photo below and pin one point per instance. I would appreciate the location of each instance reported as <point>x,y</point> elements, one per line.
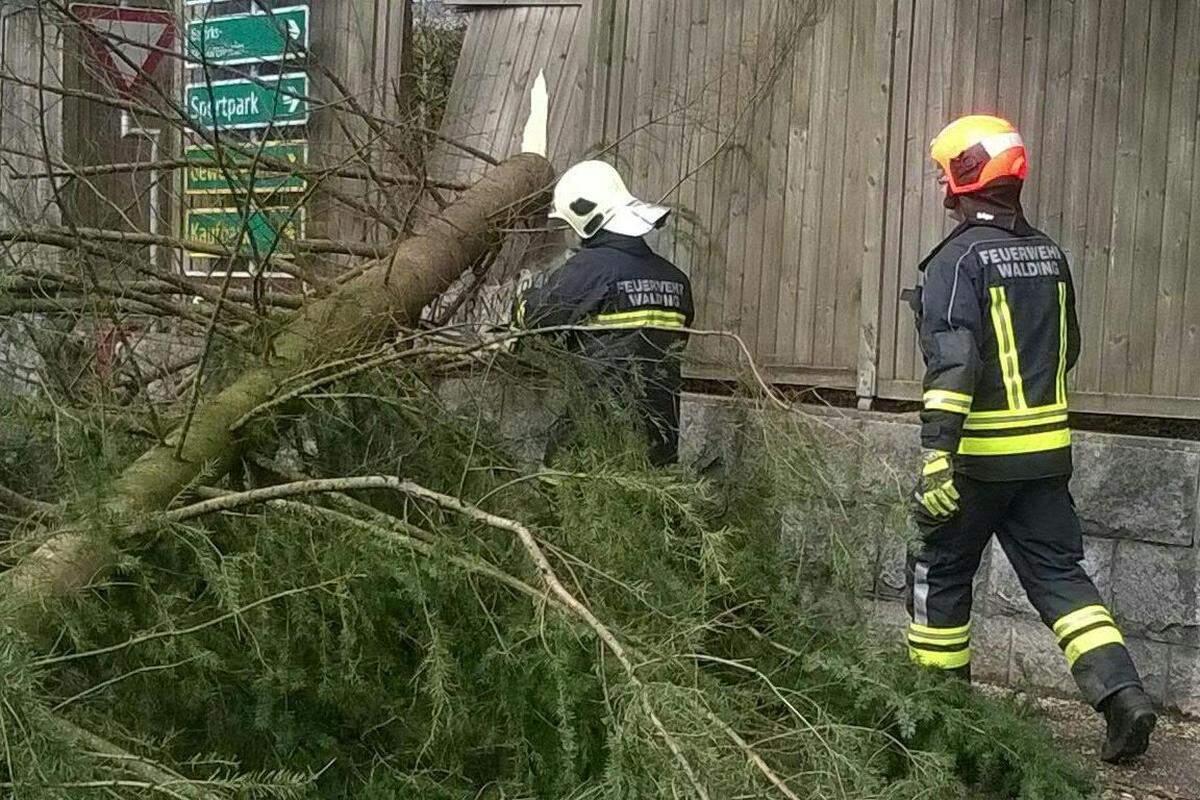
<point>636,218</point>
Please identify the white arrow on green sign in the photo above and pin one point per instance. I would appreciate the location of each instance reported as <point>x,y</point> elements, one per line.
<point>242,103</point>
<point>264,232</point>
<point>205,175</point>
<point>249,38</point>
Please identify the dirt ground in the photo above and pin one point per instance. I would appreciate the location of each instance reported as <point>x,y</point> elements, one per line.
<point>1170,771</point>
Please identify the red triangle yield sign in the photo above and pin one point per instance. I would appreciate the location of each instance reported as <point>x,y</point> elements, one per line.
<point>128,43</point>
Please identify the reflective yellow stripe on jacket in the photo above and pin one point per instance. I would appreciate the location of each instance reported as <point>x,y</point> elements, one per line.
<point>1019,429</point>
<point>1060,381</point>
<point>642,318</point>
<point>944,400</point>
<point>1010,364</point>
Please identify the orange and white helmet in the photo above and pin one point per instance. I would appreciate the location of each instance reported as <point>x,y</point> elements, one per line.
<point>975,150</point>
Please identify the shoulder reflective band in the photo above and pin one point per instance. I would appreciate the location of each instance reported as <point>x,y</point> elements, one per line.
<point>645,318</point>
<point>1010,365</point>
<point>943,400</point>
<point>943,648</point>
<point>1014,445</point>
<point>519,317</point>
<point>1084,630</point>
<point>1060,384</point>
<point>1015,418</point>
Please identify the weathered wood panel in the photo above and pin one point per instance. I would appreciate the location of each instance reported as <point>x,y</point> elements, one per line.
<point>507,44</point>
<point>795,152</point>
<point>1105,93</point>
<point>31,125</point>
<point>773,190</point>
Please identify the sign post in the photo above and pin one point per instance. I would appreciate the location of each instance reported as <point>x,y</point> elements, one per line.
<point>241,189</point>
<point>232,174</point>
<point>129,43</point>
<point>262,231</point>
<point>247,103</point>
<point>249,38</point>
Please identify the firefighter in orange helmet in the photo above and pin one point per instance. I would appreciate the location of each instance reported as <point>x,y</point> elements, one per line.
<point>998,331</point>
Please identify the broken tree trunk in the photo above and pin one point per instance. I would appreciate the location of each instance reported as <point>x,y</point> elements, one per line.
<point>357,316</point>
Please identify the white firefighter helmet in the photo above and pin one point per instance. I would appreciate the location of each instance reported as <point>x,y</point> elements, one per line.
<point>591,195</point>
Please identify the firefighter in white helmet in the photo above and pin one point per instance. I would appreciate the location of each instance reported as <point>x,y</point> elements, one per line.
<point>627,306</point>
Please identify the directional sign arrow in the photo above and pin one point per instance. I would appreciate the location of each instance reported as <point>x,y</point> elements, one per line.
<point>232,39</point>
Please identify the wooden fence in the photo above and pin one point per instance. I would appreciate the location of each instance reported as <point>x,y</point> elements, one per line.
<point>792,136</point>
<point>30,124</point>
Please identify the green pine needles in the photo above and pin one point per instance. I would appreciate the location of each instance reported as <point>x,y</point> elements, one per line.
<point>689,632</point>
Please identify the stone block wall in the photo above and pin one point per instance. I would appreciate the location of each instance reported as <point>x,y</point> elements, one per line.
<point>1138,500</point>
<point>1139,504</point>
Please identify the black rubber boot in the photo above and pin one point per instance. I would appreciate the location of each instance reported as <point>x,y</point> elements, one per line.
<point>1130,716</point>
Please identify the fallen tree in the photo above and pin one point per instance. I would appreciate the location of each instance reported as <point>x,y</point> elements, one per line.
<point>415,610</point>
<point>356,317</point>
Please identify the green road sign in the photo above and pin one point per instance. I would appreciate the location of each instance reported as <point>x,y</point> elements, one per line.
<point>243,103</point>
<point>208,177</point>
<point>268,229</point>
<point>249,38</point>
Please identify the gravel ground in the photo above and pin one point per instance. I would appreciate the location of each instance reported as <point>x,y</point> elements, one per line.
<point>1169,771</point>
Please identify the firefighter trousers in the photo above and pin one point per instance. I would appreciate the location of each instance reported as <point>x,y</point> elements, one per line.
<point>1037,527</point>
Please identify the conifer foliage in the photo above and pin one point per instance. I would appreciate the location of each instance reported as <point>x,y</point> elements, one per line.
<point>399,603</point>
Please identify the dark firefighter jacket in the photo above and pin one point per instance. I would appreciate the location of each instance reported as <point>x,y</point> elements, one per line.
<point>998,332</point>
<point>631,306</point>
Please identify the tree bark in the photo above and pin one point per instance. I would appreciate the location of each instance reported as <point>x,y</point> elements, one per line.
<point>355,318</point>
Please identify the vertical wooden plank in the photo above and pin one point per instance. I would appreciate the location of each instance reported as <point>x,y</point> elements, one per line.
<point>1152,184</point>
<point>30,202</point>
<point>716,98</point>
<point>630,100</point>
<point>1033,95</point>
<point>758,150</point>
<point>860,129</point>
<point>988,56</point>
<point>775,220</point>
<point>1091,254</point>
<point>830,227</point>
<point>1189,364</point>
<point>878,83</point>
<point>966,48</point>
<point>716,261</point>
<point>618,60</point>
<point>934,219</point>
<point>594,75</point>
<point>670,85</point>
<point>916,175</point>
<point>1012,62</point>
<point>642,141</point>
<point>1177,261</point>
<point>793,201</point>
<point>810,218</point>
<point>741,173</point>
<point>900,104</point>
<point>1135,46</point>
<point>1051,174</point>
<point>569,102</point>
<point>693,121</point>
<point>1074,201</point>
<point>675,124</point>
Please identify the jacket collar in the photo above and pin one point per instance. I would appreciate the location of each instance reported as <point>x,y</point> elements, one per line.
<point>634,245</point>
<point>995,206</point>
